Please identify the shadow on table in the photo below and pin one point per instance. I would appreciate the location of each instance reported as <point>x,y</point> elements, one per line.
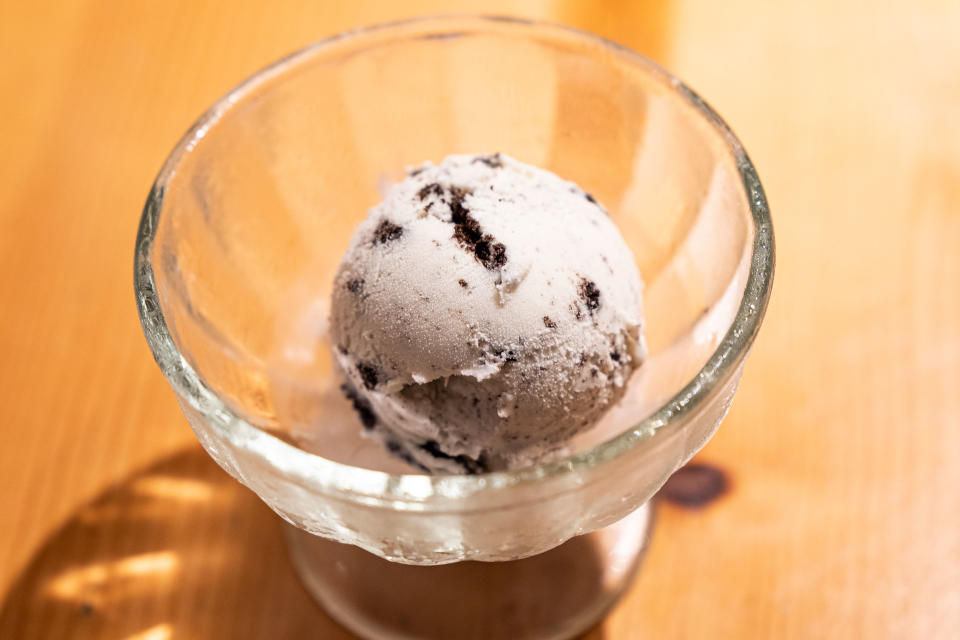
<point>180,550</point>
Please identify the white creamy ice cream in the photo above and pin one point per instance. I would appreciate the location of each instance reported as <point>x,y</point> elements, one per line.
<point>485,312</point>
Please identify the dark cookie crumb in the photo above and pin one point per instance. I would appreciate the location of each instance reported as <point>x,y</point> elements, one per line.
<point>426,209</point>
<point>431,189</point>
<point>369,375</point>
<point>548,323</point>
<point>462,283</point>
<point>593,201</point>
<point>511,356</point>
<point>470,465</point>
<point>457,195</point>
<point>590,294</point>
<point>363,408</point>
<point>490,253</point>
<point>583,359</point>
<point>355,285</point>
<point>615,356</point>
<point>576,310</point>
<point>494,161</point>
<point>387,231</point>
<point>399,451</point>
<point>416,172</point>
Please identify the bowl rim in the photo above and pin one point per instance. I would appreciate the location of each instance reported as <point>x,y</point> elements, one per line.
<point>414,490</point>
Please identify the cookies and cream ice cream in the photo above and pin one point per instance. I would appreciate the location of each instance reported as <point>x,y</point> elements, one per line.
<point>485,312</point>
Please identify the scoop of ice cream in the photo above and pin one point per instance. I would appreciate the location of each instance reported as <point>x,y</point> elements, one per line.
<point>485,312</point>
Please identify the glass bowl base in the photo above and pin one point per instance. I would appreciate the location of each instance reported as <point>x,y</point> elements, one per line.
<point>553,595</point>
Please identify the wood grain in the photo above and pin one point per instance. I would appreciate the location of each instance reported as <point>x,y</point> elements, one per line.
<point>842,450</point>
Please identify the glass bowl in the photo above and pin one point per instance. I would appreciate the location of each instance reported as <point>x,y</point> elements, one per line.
<point>248,218</point>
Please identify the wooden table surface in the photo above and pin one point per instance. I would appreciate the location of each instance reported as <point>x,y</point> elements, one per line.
<point>843,445</point>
